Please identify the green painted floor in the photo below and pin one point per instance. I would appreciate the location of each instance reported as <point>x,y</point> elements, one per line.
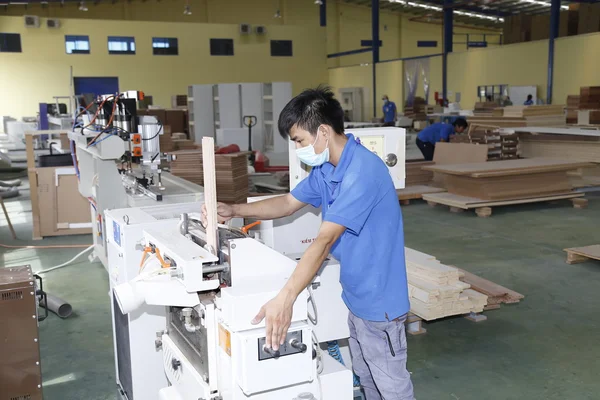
<point>543,348</point>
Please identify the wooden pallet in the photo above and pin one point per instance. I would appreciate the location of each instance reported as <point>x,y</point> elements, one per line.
<point>576,255</point>
<point>415,192</point>
<point>415,325</point>
<point>483,208</point>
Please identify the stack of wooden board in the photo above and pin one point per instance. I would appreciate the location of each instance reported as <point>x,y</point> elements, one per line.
<point>415,175</point>
<point>496,294</point>
<point>501,146</point>
<point>485,109</point>
<point>435,290</point>
<point>572,107</point>
<point>564,143</point>
<point>509,179</point>
<point>416,111</point>
<point>231,172</point>
<point>516,116</point>
<point>589,98</point>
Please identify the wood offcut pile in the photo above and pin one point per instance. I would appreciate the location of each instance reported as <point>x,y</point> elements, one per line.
<point>501,145</point>
<point>496,294</point>
<point>231,172</point>
<point>435,289</point>
<point>517,116</point>
<point>509,179</point>
<point>416,111</point>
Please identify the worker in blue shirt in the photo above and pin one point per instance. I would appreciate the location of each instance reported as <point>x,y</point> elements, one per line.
<point>428,137</point>
<point>362,228</point>
<point>529,101</point>
<point>389,111</point>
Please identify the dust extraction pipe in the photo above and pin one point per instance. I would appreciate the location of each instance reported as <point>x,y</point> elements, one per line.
<point>57,305</point>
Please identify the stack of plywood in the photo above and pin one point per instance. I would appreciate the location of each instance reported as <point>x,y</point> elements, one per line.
<point>435,290</point>
<point>415,175</point>
<point>518,116</point>
<point>572,107</point>
<point>509,179</point>
<point>589,18</point>
<point>231,172</point>
<point>496,294</point>
<point>572,144</point>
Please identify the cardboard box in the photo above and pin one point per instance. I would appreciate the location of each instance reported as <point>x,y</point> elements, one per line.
<point>589,18</point>
<point>61,209</point>
<point>176,119</point>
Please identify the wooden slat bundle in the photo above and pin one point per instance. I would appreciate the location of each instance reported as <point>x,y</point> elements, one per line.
<point>231,172</point>
<point>435,289</point>
<point>501,146</point>
<point>589,98</point>
<point>509,179</point>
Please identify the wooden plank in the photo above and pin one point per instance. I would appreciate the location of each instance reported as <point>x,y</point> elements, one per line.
<point>467,203</point>
<point>489,288</point>
<point>416,192</point>
<point>210,192</point>
<point>508,167</point>
<point>577,255</point>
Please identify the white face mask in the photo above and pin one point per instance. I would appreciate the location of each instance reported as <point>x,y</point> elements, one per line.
<point>308,156</point>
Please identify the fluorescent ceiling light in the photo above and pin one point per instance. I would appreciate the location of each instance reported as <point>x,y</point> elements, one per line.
<point>440,9</point>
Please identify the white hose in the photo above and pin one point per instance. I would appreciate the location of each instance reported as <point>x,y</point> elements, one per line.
<point>67,263</point>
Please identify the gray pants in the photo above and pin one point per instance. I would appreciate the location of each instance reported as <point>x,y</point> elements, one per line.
<point>379,358</point>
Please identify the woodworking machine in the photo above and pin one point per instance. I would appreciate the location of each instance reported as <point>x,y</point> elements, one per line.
<point>118,162</point>
<point>210,348</point>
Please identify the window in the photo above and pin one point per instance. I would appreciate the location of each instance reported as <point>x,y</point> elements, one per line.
<point>10,43</point>
<point>426,43</point>
<point>281,48</point>
<point>165,46</point>
<point>121,45</point>
<point>77,44</point>
<point>221,47</point>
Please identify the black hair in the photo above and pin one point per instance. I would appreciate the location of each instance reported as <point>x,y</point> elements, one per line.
<point>529,97</point>
<point>311,108</point>
<point>460,122</point>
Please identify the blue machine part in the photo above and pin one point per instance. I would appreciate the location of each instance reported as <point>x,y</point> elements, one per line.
<point>333,348</point>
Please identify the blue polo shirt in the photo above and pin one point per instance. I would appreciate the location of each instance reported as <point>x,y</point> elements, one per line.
<point>359,194</point>
<point>435,133</point>
<point>389,111</point>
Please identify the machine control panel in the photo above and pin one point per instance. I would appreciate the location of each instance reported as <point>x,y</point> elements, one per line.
<point>293,345</point>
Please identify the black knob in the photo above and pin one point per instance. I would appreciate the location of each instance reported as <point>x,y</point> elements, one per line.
<point>175,363</point>
<point>274,353</point>
<point>298,345</point>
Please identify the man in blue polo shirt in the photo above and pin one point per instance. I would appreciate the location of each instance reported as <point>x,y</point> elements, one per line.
<point>435,133</point>
<point>362,227</point>
<point>389,111</point>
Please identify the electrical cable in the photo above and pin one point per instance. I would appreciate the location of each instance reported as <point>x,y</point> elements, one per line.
<point>66,263</point>
<point>312,318</point>
<point>157,133</point>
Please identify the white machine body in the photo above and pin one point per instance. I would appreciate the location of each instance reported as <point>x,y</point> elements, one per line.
<point>138,364</point>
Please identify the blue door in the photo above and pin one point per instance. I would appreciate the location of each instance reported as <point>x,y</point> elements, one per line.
<point>96,85</point>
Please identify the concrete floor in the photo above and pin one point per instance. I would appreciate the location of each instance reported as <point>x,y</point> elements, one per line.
<point>542,348</point>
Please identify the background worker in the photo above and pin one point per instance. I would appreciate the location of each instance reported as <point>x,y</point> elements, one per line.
<point>362,228</point>
<point>428,137</point>
<point>390,113</point>
<point>529,101</point>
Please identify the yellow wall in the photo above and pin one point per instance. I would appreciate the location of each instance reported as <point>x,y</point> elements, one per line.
<point>515,64</point>
<point>355,76</point>
<point>576,64</point>
<point>42,69</point>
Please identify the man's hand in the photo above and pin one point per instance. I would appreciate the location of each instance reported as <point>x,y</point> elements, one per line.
<point>224,213</point>
<point>278,317</point>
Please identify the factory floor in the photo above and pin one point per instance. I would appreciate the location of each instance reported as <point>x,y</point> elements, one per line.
<point>541,348</point>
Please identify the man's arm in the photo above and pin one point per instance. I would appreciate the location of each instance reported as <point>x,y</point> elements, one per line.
<point>273,208</point>
<point>278,312</point>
